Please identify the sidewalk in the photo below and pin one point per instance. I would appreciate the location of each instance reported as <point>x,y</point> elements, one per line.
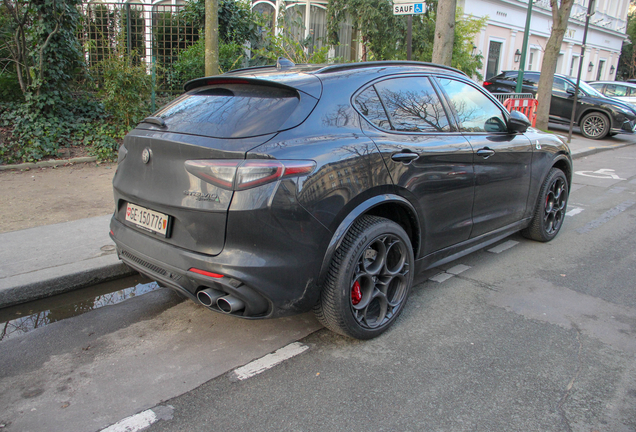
<point>48,260</point>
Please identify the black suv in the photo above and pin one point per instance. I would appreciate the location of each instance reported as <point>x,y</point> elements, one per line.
<point>596,115</point>
<point>276,190</point>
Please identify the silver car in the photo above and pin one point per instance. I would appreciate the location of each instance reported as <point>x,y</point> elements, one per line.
<point>623,91</point>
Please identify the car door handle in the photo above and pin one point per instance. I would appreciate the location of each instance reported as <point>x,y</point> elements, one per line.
<point>485,152</point>
<point>405,157</point>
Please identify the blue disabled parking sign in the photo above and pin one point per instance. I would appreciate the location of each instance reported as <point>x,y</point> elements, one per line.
<point>418,8</point>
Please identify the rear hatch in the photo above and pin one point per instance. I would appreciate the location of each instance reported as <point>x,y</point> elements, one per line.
<point>175,178</point>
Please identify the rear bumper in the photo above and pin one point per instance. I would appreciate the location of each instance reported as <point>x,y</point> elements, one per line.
<point>271,280</point>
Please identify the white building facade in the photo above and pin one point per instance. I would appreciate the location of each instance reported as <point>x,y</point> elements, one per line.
<point>501,41</point>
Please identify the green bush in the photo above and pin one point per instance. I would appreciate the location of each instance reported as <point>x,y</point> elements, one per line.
<point>191,62</point>
<point>126,91</point>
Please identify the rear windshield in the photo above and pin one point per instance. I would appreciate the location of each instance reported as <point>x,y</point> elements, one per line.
<point>230,110</point>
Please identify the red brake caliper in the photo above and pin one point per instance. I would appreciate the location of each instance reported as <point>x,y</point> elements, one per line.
<point>356,293</point>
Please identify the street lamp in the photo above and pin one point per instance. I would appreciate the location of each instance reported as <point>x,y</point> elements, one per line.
<point>590,67</point>
<point>517,55</point>
<point>612,69</point>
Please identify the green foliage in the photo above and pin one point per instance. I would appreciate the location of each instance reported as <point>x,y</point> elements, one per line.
<point>237,23</point>
<point>126,91</point>
<point>191,62</point>
<point>288,42</point>
<point>466,28</point>
<point>9,87</point>
<point>381,32</point>
<point>627,62</point>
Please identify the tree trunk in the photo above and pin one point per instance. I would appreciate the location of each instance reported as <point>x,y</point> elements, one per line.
<point>211,37</point>
<point>363,54</point>
<point>444,32</point>
<point>560,18</point>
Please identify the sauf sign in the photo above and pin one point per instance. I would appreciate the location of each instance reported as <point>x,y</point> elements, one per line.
<point>408,8</point>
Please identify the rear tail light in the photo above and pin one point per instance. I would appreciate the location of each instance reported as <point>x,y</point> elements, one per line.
<point>486,83</point>
<point>245,174</point>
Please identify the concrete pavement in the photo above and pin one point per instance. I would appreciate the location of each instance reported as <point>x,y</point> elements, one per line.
<point>52,259</point>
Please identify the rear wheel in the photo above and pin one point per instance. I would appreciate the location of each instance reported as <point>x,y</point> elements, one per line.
<point>369,279</point>
<point>550,210</point>
<point>595,125</point>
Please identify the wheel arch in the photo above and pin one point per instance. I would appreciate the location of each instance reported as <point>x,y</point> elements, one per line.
<point>563,163</point>
<point>589,110</point>
<point>390,206</point>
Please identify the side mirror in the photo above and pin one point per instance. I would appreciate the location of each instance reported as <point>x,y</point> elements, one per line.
<point>518,122</point>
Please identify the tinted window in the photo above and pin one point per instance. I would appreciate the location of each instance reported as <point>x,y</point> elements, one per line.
<point>531,79</point>
<point>230,111</point>
<point>413,105</point>
<point>615,90</point>
<point>559,85</point>
<point>475,111</point>
<point>370,106</point>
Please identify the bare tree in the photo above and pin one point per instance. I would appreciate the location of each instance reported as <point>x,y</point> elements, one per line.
<point>560,17</point>
<point>444,32</point>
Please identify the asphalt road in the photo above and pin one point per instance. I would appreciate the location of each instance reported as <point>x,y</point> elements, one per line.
<point>522,336</point>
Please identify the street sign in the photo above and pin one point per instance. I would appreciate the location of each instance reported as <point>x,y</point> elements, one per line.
<point>408,8</point>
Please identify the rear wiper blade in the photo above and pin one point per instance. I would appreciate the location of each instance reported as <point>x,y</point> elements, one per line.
<point>155,120</point>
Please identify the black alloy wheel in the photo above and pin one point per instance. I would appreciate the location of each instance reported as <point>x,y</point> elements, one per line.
<point>595,125</point>
<point>550,209</point>
<point>369,279</point>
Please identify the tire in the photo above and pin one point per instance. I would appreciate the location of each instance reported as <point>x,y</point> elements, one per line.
<point>595,125</point>
<point>369,279</point>
<point>550,209</point>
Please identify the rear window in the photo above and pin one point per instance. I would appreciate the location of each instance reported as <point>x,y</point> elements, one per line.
<point>230,110</point>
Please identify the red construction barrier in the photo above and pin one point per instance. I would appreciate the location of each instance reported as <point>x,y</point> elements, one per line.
<point>526,106</point>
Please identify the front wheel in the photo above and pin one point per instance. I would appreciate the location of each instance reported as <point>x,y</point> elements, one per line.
<point>595,125</point>
<point>369,279</point>
<point>550,210</point>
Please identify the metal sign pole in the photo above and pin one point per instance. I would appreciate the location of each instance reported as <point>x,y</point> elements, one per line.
<point>524,48</point>
<point>409,36</point>
<point>578,77</point>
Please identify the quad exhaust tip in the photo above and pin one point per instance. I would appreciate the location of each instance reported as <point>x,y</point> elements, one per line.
<point>230,304</point>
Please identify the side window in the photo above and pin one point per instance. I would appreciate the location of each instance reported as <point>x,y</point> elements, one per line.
<point>558,85</point>
<point>413,105</point>
<point>370,106</point>
<point>621,91</point>
<point>531,79</point>
<point>475,111</point>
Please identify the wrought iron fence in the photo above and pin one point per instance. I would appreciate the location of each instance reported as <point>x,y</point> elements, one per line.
<point>153,35</point>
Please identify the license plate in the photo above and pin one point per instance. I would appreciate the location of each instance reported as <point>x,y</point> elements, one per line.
<point>147,219</point>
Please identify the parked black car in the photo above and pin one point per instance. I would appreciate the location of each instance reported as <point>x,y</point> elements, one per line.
<point>596,115</point>
<point>276,190</point>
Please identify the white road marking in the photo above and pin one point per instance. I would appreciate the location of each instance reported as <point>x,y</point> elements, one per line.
<point>441,277</point>
<point>270,360</point>
<point>459,268</point>
<point>133,423</point>
<point>604,173</point>
<point>504,246</point>
<point>574,211</point>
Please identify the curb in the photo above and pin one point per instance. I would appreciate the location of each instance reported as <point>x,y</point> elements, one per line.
<point>49,163</point>
<point>29,287</point>
<point>593,150</point>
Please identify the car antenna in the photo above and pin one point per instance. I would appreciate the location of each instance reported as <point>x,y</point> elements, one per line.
<point>283,63</point>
